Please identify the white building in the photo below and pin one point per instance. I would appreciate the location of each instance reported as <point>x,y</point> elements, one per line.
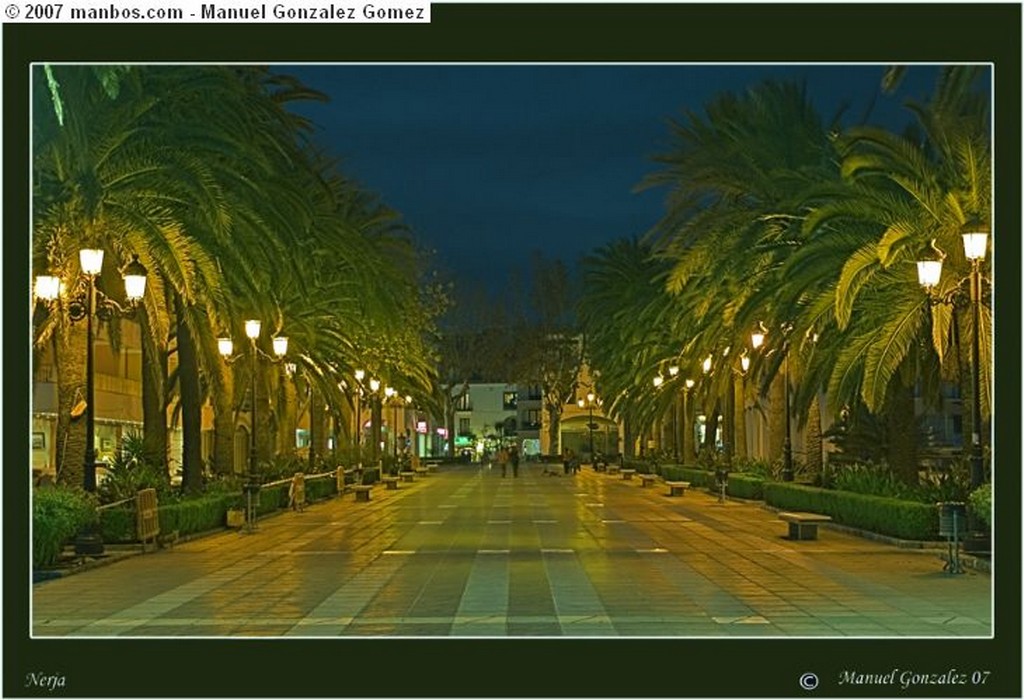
<point>485,411</point>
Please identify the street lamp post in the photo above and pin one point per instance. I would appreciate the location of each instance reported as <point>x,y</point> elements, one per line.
<point>688,430</point>
<point>375,411</point>
<point>589,404</point>
<point>929,272</point>
<point>85,305</point>
<point>673,371</point>
<point>359,375</point>
<point>974,248</point>
<point>226,348</point>
<point>658,380</point>
<point>391,394</point>
<point>757,340</point>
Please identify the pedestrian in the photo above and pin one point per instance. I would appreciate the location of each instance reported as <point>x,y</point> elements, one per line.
<point>513,457</point>
<point>297,492</point>
<point>575,465</point>
<point>503,460</point>
<point>567,460</point>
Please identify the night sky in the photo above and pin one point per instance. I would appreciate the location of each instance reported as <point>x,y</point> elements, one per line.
<point>487,163</point>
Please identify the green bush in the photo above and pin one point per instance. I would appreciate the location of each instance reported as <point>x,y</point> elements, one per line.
<point>324,487</point>
<point>745,486</point>
<point>672,473</point>
<point>58,513</point>
<point>757,468</point>
<point>980,503</point>
<point>130,471</point>
<point>272,498</point>
<point>886,516</point>
<point>195,515</point>
<point>118,524</point>
<point>879,480</point>
<point>698,478</point>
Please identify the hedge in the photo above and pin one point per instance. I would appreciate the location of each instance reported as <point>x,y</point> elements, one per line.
<point>195,515</point>
<point>745,486</point>
<point>885,516</point>
<point>698,478</point>
<point>323,487</point>
<point>117,525</point>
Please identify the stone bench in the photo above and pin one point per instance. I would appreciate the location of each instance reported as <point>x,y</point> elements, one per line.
<point>804,526</point>
<point>648,479</point>
<point>362,492</point>
<point>420,471</point>
<point>407,476</point>
<point>677,488</point>
<point>613,468</point>
<point>431,468</point>
<point>628,473</point>
<point>391,482</point>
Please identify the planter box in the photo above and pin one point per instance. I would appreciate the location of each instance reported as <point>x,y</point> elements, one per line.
<point>235,517</point>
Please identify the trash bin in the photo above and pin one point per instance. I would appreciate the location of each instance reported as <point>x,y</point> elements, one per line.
<point>952,524</point>
<point>952,519</point>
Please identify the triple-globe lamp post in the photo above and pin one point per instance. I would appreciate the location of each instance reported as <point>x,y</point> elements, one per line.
<point>83,306</point>
<point>226,348</point>
<point>928,273</point>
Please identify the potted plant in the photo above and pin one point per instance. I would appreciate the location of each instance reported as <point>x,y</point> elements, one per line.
<point>979,505</point>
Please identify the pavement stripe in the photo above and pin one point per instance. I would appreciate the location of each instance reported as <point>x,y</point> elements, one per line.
<point>145,612</point>
<point>484,604</point>
<point>347,601</point>
<point>579,609</point>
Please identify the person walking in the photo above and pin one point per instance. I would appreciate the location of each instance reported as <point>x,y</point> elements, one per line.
<point>514,458</point>
<point>567,460</point>
<point>503,460</point>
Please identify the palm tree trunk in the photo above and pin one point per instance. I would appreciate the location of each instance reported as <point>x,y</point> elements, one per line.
<point>154,397</point>
<point>740,420</point>
<point>902,428</point>
<point>628,449</point>
<point>685,430</point>
<point>812,442</point>
<point>776,417</point>
<point>711,427</point>
<point>224,424</point>
<point>191,405</point>
<point>69,360</point>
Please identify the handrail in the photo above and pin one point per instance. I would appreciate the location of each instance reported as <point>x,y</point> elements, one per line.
<point>116,503</point>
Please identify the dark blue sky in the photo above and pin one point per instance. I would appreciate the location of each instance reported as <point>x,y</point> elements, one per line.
<point>487,163</point>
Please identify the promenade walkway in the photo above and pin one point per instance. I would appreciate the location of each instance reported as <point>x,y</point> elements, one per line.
<point>467,553</point>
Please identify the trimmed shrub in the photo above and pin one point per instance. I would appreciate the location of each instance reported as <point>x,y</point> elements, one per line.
<point>698,478</point>
<point>886,516</point>
<point>58,513</point>
<point>672,473</point>
<point>271,498</point>
<point>118,525</point>
<point>317,489</point>
<point>745,486</point>
<point>195,515</point>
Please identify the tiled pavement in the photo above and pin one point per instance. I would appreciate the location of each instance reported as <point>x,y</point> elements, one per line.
<point>467,553</point>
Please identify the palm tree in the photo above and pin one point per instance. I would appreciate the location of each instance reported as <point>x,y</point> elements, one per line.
<point>742,178</point>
